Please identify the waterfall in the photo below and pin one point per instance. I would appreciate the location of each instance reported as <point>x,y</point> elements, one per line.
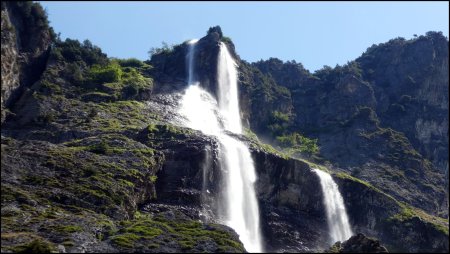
<point>228,94</point>
<point>213,117</point>
<point>190,58</point>
<point>337,218</point>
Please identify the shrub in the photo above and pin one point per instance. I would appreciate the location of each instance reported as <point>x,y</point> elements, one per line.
<point>105,74</point>
<point>74,73</point>
<point>36,246</point>
<point>130,62</point>
<point>101,148</point>
<point>226,40</point>
<point>165,49</point>
<point>278,123</point>
<point>130,91</point>
<point>73,50</point>
<point>297,143</point>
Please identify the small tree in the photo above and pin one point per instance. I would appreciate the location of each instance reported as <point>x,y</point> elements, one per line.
<point>166,48</point>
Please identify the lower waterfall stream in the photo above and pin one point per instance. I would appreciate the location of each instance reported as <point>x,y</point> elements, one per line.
<point>337,218</point>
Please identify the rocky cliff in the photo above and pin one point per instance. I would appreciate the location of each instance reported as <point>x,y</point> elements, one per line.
<point>26,39</point>
<point>383,117</point>
<point>95,157</point>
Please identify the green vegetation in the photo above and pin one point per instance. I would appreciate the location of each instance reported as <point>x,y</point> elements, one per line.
<point>343,175</point>
<point>36,246</point>
<point>408,213</point>
<point>164,49</point>
<point>75,52</point>
<point>336,248</point>
<point>101,148</point>
<point>226,40</point>
<point>105,74</point>
<point>186,233</point>
<point>250,134</point>
<point>110,170</point>
<point>34,17</point>
<point>292,143</point>
<point>135,63</point>
<point>154,231</point>
<point>295,143</point>
<point>121,81</point>
<point>125,240</point>
<point>167,131</point>
<point>278,123</point>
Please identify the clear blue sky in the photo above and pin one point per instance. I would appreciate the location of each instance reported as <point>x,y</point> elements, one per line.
<point>313,33</point>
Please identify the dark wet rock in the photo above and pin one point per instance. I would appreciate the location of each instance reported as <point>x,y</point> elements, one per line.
<point>358,244</point>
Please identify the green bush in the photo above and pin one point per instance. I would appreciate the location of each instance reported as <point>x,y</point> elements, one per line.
<point>130,62</point>
<point>132,77</point>
<point>278,123</point>
<point>34,17</point>
<point>74,73</point>
<point>279,117</point>
<point>165,49</point>
<point>109,73</point>
<point>73,50</point>
<point>101,148</point>
<point>296,143</point>
<point>226,40</point>
<point>36,246</point>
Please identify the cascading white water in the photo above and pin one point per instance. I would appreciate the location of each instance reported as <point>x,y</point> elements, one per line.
<point>337,218</point>
<point>242,212</point>
<point>190,60</point>
<point>227,91</point>
<point>204,113</point>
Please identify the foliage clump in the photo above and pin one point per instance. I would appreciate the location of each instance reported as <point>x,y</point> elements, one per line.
<point>164,49</point>
<point>81,53</point>
<point>33,16</point>
<point>35,246</point>
<point>295,143</point>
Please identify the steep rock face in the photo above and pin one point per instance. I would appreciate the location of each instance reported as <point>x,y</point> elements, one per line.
<point>383,117</point>
<point>292,212</point>
<point>378,215</point>
<point>26,39</point>
<point>257,89</point>
<point>410,79</point>
<point>291,208</point>
<point>289,74</point>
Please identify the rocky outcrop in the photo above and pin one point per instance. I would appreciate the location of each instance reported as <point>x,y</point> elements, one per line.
<point>358,244</point>
<point>410,79</point>
<point>378,215</point>
<point>170,69</point>
<point>26,39</point>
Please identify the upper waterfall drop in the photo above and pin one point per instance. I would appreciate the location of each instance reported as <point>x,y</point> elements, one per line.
<point>228,98</point>
<point>337,218</point>
<point>190,59</point>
